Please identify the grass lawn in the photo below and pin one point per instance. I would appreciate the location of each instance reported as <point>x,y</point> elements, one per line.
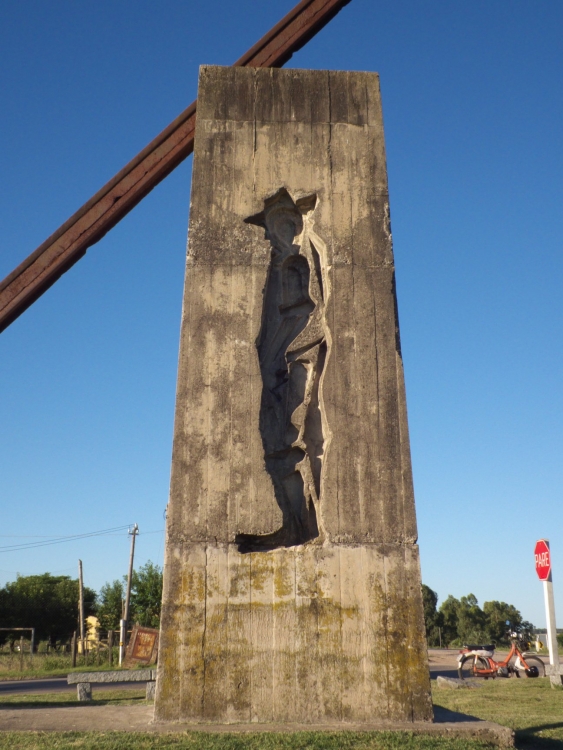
<point>51,665</point>
<point>100,696</point>
<point>200,740</point>
<point>530,707</point>
<point>254,741</point>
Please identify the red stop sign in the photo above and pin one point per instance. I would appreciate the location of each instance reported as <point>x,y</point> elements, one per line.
<point>543,560</point>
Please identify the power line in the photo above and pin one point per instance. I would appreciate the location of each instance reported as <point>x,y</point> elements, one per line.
<point>26,536</point>
<point>61,539</point>
<point>48,536</point>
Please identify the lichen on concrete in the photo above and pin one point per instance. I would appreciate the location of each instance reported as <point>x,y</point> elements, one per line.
<point>292,580</point>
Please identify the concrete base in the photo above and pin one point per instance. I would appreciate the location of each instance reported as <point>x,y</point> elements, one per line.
<point>92,718</point>
<point>307,634</point>
<point>447,724</point>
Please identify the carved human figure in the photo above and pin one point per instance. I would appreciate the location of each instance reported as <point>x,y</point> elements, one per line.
<point>292,351</point>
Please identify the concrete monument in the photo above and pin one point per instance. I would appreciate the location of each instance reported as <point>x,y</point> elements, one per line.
<point>291,581</point>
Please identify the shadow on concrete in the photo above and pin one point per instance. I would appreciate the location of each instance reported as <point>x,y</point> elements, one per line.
<point>442,715</point>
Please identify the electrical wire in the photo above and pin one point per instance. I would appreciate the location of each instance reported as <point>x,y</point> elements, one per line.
<point>26,536</point>
<point>61,539</point>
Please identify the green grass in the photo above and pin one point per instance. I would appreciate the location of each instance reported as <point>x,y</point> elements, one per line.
<point>531,707</point>
<point>99,697</point>
<point>204,740</point>
<point>51,665</point>
<point>253,741</point>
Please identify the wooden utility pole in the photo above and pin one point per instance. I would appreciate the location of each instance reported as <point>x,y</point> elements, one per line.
<point>123,636</point>
<point>81,604</point>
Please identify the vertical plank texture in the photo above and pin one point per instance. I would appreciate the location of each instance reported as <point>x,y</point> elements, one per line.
<point>330,630</point>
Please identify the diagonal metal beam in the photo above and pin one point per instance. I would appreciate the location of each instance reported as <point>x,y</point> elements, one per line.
<point>122,193</point>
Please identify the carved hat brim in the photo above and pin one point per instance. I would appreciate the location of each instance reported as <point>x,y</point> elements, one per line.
<point>303,205</point>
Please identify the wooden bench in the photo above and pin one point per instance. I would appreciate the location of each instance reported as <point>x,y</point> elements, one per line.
<point>84,680</point>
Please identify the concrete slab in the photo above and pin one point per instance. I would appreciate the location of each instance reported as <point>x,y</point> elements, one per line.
<point>121,675</point>
<point>92,718</point>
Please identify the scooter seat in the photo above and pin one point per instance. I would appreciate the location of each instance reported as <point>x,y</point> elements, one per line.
<point>472,647</point>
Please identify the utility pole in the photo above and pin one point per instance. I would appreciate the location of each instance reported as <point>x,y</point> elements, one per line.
<point>81,603</point>
<point>123,630</point>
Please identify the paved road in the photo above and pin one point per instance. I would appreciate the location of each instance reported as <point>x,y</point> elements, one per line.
<point>58,685</point>
<point>442,662</point>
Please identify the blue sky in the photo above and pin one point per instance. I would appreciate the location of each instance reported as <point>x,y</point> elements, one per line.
<point>473,107</point>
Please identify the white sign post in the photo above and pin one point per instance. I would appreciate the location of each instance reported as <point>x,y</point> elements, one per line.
<point>542,556</point>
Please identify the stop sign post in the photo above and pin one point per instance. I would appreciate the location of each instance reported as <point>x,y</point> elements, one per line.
<point>542,555</point>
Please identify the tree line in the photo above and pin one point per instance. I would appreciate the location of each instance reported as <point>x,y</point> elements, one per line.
<point>49,604</point>
<point>460,621</point>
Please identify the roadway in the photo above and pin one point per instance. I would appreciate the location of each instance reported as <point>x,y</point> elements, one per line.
<point>442,662</point>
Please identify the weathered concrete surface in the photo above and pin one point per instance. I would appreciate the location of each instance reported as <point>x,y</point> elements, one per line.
<point>121,675</point>
<point>151,691</point>
<point>83,680</point>
<point>454,683</point>
<point>84,691</point>
<point>92,718</point>
<point>292,582</point>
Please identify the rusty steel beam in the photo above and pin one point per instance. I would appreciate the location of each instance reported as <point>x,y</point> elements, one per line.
<point>129,186</point>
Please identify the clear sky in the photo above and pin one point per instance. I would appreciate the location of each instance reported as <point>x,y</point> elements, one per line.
<point>473,108</point>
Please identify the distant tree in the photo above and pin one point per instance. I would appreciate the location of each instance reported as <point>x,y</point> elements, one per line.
<point>110,605</point>
<point>496,614</point>
<point>449,610</point>
<point>5,617</point>
<point>433,619</point>
<point>145,603</point>
<point>45,602</point>
<point>471,620</point>
<point>463,621</point>
<point>146,595</point>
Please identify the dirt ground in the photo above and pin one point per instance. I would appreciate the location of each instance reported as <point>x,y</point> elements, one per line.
<point>84,717</point>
